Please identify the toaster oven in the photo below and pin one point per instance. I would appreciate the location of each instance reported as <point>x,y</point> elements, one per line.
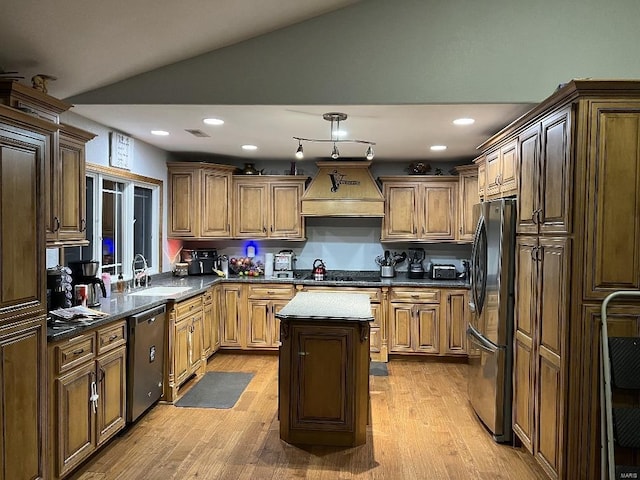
<point>443,272</point>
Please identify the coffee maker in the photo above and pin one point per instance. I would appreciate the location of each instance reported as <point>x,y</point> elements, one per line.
<point>59,289</point>
<point>84,272</point>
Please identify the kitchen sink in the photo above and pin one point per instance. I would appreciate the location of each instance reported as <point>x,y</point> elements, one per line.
<point>159,291</point>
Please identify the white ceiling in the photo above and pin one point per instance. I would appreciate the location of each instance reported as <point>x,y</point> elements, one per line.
<point>88,44</point>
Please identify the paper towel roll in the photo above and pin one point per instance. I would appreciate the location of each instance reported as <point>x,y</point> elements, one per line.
<point>268,265</point>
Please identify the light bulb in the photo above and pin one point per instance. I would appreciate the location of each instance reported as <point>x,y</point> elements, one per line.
<point>299,152</point>
<point>335,154</point>
<point>370,153</point>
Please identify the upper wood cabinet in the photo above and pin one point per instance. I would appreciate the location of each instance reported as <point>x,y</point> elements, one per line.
<point>423,209</point>
<point>199,200</point>
<point>467,198</point>
<point>64,195</point>
<point>268,207</point>
<point>544,187</point>
<point>501,171</point>
<point>482,176</point>
<point>66,220</point>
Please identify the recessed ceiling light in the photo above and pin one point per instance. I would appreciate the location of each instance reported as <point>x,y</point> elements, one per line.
<point>463,121</point>
<point>160,133</point>
<point>249,147</point>
<point>213,121</point>
<point>438,148</point>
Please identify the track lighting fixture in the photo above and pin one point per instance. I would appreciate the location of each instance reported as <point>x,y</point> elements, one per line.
<point>335,118</point>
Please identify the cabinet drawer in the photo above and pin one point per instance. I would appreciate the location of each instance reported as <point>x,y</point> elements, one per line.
<point>417,295</point>
<point>112,336</point>
<point>271,291</point>
<point>207,297</point>
<point>75,352</point>
<point>188,307</point>
<point>374,293</point>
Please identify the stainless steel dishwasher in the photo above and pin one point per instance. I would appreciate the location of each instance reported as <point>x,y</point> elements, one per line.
<point>145,360</point>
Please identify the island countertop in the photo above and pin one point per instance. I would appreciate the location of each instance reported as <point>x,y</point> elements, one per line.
<point>328,306</point>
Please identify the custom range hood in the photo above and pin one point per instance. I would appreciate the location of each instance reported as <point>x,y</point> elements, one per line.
<point>343,189</point>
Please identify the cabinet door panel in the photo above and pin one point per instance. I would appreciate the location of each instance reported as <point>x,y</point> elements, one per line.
<point>427,335</point>
<point>182,208</point>
<point>277,305</point>
<point>482,179</point>
<point>75,417</point>
<point>258,334</point>
<point>526,285</point>
<point>456,324</point>
<point>112,394</point>
<point>285,218</point>
<point>400,320</point>
<point>181,351</point>
<point>523,390</point>
<point>207,333</point>
<point>439,207</point>
<point>554,285</point>
<point>468,197</point>
<point>215,216</point>
<point>508,169</point>
<point>71,211</point>
<point>528,192</point>
<point>613,237</point>
<point>22,405</point>
<point>230,316</point>
<point>21,213</point>
<point>556,188</point>
<point>549,416</point>
<point>195,342</point>
<point>401,212</point>
<point>250,203</point>
<point>492,187</point>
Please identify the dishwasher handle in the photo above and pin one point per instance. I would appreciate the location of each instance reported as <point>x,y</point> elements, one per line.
<point>148,314</point>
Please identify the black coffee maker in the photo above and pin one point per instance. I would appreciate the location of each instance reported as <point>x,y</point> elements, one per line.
<point>59,288</point>
<point>83,272</point>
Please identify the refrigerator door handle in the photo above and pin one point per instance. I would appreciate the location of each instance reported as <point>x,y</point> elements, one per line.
<point>479,340</point>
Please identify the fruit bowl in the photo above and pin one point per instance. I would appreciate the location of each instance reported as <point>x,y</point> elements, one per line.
<point>246,266</point>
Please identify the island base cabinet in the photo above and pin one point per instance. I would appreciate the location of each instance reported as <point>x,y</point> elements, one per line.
<point>324,383</point>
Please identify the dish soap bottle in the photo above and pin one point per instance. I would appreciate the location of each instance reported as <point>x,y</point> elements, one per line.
<point>120,284</point>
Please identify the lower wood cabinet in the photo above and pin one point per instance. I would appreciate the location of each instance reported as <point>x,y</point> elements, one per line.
<point>264,301</point>
<point>87,394</point>
<point>428,321</point>
<point>231,315</point>
<point>186,354</point>
<point>378,330</point>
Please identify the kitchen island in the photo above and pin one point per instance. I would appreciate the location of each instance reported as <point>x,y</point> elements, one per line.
<point>324,369</point>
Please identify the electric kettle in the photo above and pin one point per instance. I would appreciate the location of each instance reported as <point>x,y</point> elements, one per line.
<point>319,269</point>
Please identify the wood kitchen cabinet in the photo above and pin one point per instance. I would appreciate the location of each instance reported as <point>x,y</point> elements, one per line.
<point>579,162</point>
<point>185,344</point>
<point>25,147</point>
<point>378,343</point>
<point>264,301</point>
<point>88,394</point>
<point>420,209</point>
<point>501,171</point>
<point>199,199</point>
<point>414,320</point>
<point>467,198</point>
<point>208,327</point>
<point>545,188</point>
<point>428,321</point>
<point>64,189</point>
<point>268,207</point>
<point>482,176</point>
<point>231,315</point>
<point>66,219</point>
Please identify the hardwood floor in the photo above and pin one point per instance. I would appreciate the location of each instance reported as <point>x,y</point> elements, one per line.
<point>421,428</point>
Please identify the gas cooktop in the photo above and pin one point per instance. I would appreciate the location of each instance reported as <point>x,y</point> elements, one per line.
<point>346,278</point>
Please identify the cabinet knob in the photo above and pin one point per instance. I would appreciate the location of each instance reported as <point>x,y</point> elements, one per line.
<point>56,222</point>
<point>83,225</point>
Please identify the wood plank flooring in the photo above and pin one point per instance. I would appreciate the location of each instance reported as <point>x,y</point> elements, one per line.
<point>421,428</point>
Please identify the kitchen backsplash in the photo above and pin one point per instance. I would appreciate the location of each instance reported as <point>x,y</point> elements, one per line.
<point>344,244</point>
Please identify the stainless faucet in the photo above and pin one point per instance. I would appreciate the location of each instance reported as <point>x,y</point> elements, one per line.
<point>140,276</point>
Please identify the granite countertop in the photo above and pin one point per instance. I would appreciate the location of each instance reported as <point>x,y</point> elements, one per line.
<point>328,306</point>
<point>122,305</point>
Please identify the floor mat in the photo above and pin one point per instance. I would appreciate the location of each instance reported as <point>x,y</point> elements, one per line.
<point>379,369</point>
<point>216,390</point>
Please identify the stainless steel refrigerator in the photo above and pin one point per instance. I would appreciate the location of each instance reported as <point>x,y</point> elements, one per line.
<point>490,332</point>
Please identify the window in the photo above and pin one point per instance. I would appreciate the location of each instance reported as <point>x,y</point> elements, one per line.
<point>123,219</point>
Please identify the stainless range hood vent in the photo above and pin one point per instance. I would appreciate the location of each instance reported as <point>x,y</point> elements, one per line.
<point>343,189</point>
